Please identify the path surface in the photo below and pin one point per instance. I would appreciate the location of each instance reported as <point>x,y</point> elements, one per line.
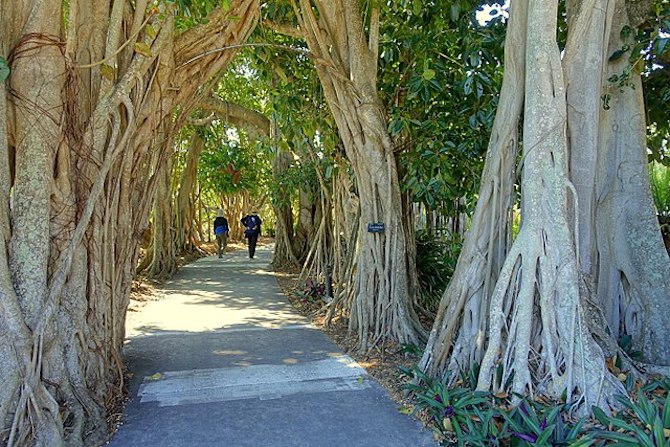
<point>223,360</point>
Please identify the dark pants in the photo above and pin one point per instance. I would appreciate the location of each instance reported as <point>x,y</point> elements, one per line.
<point>253,238</point>
<point>222,242</point>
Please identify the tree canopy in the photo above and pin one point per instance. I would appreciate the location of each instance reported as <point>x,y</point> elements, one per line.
<point>119,117</point>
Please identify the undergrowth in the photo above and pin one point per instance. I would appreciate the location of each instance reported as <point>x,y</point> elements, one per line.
<point>436,258</point>
<point>460,416</point>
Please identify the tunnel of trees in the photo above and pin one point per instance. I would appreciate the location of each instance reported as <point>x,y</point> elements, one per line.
<point>516,155</point>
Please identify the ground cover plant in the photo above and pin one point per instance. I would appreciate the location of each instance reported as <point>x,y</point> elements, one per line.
<point>460,415</point>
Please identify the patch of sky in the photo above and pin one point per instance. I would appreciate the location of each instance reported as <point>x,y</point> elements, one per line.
<point>490,11</point>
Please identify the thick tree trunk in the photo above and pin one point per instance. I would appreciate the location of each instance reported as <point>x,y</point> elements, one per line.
<point>346,218</point>
<point>307,223</point>
<point>284,254</point>
<point>538,338</point>
<point>80,137</point>
<point>187,237</point>
<point>458,336</point>
<point>633,266</point>
<point>347,67</point>
<point>164,263</point>
<point>585,53</point>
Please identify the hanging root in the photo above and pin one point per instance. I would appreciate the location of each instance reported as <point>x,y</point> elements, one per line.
<point>539,340</point>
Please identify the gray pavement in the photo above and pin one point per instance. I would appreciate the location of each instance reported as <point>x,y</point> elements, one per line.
<point>222,359</point>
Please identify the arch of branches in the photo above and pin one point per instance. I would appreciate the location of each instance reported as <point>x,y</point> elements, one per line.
<point>112,115</point>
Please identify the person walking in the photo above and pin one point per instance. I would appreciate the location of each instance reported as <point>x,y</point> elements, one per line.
<point>221,232</point>
<point>252,224</point>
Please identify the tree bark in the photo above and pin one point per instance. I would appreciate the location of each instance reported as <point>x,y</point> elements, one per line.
<point>538,338</point>
<point>634,269</point>
<point>347,68</point>
<point>186,224</point>
<point>82,130</point>
<point>458,336</point>
<point>284,232</point>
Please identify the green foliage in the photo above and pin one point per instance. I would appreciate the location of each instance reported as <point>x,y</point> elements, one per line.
<point>534,423</point>
<point>440,72</point>
<point>463,417</point>
<point>660,187</point>
<point>194,12</point>
<point>231,164</point>
<point>449,409</point>
<point>436,258</point>
<point>647,49</point>
<point>643,421</point>
<point>626,344</point>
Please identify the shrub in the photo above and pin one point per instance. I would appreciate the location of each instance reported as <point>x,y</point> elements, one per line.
<point>436,259</point>
<point>311,293</point>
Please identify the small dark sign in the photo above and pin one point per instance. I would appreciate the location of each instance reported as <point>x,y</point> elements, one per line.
<point>376,227</point>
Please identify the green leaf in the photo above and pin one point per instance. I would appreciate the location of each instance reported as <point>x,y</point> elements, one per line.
<point>666,412</point>
<point>4,69</point>
<point>151,31</point>
<point>614,436</point>
<point>143,49</point>
<point>658,430</point>
<point>455,12</point>
<point>543,439</point>
<point>584,442</point>
<point>428,74</point>
<point>154,377</point>
<point>661,45</point>
<point>616,55</point>
<point>107,71</point>
<point>626,32</point>
<point>226,5</point>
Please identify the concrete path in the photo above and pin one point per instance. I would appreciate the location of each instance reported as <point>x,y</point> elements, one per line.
<point>222,359</point>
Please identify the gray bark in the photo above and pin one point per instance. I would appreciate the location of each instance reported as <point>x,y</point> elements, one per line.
<point>382,305</point>
<point>634,269</point>
<point>84,156</point>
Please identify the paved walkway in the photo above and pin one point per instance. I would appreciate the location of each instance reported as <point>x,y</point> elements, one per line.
<point>222,359</point>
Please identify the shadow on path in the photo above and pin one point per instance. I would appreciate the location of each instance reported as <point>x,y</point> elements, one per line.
<point>222,359</point>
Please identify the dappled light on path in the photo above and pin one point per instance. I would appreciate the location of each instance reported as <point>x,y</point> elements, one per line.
<point>221,358</point>
<point>215,294</point>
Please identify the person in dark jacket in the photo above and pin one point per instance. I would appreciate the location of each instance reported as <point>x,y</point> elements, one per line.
<point>252,224</point>
<point>221,231</point>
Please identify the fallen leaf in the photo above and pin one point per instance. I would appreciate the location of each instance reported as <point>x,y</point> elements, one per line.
<point>156,376</point>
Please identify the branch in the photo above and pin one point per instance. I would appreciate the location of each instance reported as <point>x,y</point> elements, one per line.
<point>284,29</point>
<point>238,115</point>
<point>243,45</point>
<point>373,39</point>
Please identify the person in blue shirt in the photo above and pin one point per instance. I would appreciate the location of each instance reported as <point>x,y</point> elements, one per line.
<point>221,231</point>
<point>252,224</point>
